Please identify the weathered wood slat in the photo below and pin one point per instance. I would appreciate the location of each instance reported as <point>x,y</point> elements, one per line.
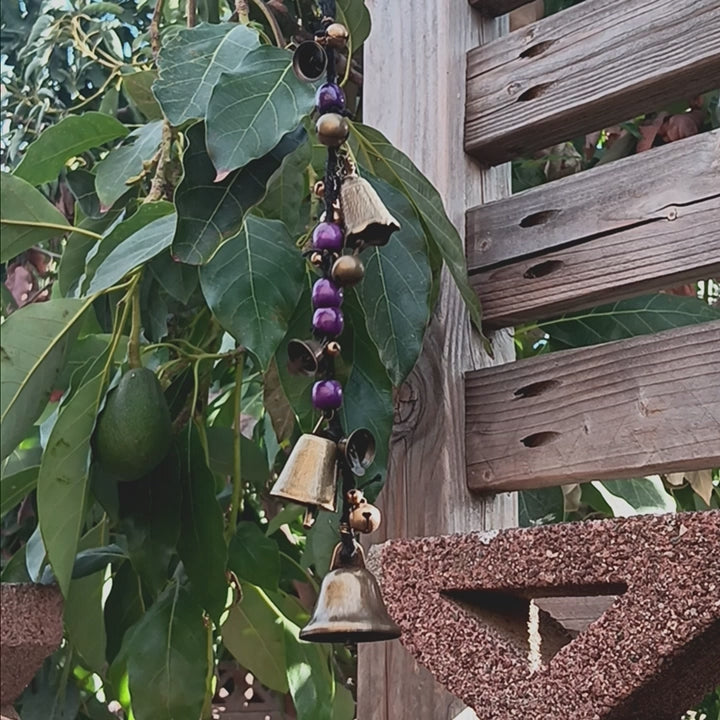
<point>623,409</point>
<point>682,248</point>
<point>494,8</point>
<point>595,64</point>
<point>606,199</point>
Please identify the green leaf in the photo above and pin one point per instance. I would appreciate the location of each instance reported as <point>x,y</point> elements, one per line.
<point>395,289</point>
<point>252,109</point>
<point>82,186</point>
<point>201,545</point>
<point>191,62</point>
<point>83,610</point>
<point>210,212</point>
<point>356,18</point>
<point>252,285</point>
<point>253,634</point>
<point>375,153</point>
<point>642,496</point>
<point>26,215</point>
<point>46,157</point>
<point>31,362</point>
<point>167,659</point>
<point>627,318</point>
<point>123,608</point>
<point>17,486</point>
<point>138,87</point>
<point>121,231</point>
<point>126,162</point>
<point>254,557</point>
<point>541,506</point>
<point>344,704</point>
<point>140,247</point>
<point>253,462</point>
<point>177,279</point>
<point>65,468</point>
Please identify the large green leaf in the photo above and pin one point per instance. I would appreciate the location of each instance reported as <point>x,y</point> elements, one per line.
<point>167,659</point>
<point>25,217</point>
<point>210,212</point>
<point>65,468</point>
<point>123,163</point>
<point>641,496</point>
<point>253,634</point>
<point>191,62</point>
<point>252,109</point>
<point>395,289</point>
<point>253,283</point>
<point>140,247</point>
<point>31,362</point>
<point>123,608</point>
<point>16,486</point>
<point>375,153</point>
<point>254,557</point>
<point>45,158</point>
<point>356,18</point>
<point>201,546</point>
<point>627,318</point>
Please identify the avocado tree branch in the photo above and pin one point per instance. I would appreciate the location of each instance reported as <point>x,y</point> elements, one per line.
<point>136,323</point>
<point>237,447</point>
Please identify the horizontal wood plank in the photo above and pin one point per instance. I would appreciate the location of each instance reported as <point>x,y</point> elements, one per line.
<point>684,247</point>
<point>624,409</point>
<point>495,8</point>
<point>605,199</point>
<point>587,67</point>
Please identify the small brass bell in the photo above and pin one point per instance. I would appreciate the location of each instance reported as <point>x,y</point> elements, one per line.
<point>365,518</point>
<point>349,608</point>
<point>358,450</point>
<point>310,473</point>
<point>367,220</point>
<point>304,357</point>
<point>332,129</point>
<point>336,35</point>
<point>309,61</point>
<point>348,270</point>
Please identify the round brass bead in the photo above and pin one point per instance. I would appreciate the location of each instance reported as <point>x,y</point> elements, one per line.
<point>355,497</point>
<point>337,35</point>
<point>365,518</point>
<point>332,129</point>
<point>348,270</point>
<point>319,189</point>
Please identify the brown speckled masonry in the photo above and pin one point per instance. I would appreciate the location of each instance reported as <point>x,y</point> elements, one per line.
<point>650,656</point>
<point>30,629</point>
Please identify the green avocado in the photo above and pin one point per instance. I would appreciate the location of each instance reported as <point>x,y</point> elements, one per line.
<point>133,432</point>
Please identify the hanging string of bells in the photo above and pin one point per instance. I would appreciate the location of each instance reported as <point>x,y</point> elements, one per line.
<point>349,607</point>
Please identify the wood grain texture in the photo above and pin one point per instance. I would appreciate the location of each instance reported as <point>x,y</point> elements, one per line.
<point>684,247</point>
<point>619,410</point>
<point>494,8</point>
<point>421,111</point>
<point>595,64</point>
<point>605,199</point>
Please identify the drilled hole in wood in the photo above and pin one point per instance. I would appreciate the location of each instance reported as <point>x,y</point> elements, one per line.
<point>542,269</point>
<point>538,218</point>
<point>540,438</point>
<point>535,389</point>
<point>537,49</point>
<point>534,92</point>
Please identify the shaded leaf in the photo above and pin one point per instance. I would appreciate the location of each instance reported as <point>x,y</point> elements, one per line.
<point>253,283</point>
<point>82,185</point>
<point>17,486</point>
<point>45,158</point>
<point>254,557</point>
<point>541,506</point>
<point>253,462</point>
<point>356,18</point>
<point>191,62</point>
<point>25,216</point>
<point>640,496</point>
<point>177,279</point>
<point>252,109</point>
<point>138,87</point>
<point>123,608</point>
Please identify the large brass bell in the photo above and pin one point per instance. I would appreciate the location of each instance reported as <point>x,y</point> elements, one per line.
<point>310,473</point>
<point>309,61</point>
<point>349,608</point>
<point>304,357</point>
<point>367,220</point>
<point>358,450</point>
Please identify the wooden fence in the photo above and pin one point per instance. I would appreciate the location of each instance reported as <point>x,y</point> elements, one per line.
<point>624,409</point>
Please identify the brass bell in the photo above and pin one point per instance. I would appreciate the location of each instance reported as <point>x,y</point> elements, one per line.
<point>332,129</point>
<point>336,35</point>
<point>365,518</point>
<point>309,61</point>
<point>348,270</point>
<point>367,220</point>
<point>349,608</point>
<point>310,473</point>
<point>358,450</point>
<point>304,357</point>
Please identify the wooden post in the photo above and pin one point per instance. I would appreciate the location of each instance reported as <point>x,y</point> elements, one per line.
<point>415,93</point>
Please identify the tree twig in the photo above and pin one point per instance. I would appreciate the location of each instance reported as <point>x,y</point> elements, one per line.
<point>154,28</point>
<point>191,13</point>
<point>243,11</point>
<point>160,186</point>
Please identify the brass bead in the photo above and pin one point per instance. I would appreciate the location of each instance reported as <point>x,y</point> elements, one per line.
<point>355,497</point>
<point>316,259</point>
<point>333,348</point>
<point>348,270</point>
<point>337,35</point>
<point>365,518</point>
<point>319,189</point>
<point>332,129</point>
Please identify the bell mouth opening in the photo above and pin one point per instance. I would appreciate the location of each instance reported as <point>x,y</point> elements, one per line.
<point>350,635</point>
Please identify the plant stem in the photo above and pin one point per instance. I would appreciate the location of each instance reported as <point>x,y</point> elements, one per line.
<point>52,226</point>
<point>134,343</point>
<point>154,28</point>
<point>237,447</point>
<point>191,13</point>
<point>160,184</point>
<point>243,11</point>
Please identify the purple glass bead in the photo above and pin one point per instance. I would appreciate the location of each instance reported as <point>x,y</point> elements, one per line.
<point>328,321</point>
<point>327,395</point>
<point>326,294</point>
<point>327,236</point>
<point>330,98</point>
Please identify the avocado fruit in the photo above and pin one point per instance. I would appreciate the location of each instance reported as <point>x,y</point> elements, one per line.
<point>134,431</point>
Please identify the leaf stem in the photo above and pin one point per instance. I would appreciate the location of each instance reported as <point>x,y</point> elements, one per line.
<point>52,226</point>
<point>237,447</point>
<point>134,343</point>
